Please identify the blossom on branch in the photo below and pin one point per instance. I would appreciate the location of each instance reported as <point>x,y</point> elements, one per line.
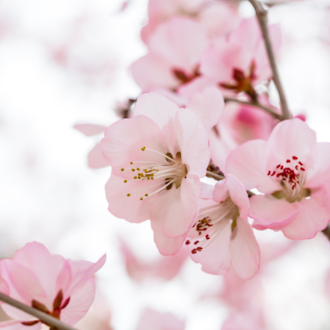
<point>222,235</point>
<point>157,157</point>
<point>59,287</point>
<point>292,171</point>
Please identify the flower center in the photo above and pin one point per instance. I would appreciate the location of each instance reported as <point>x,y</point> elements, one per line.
<point>165,173</point>
<point>292,178</point>
<point>210,223</point>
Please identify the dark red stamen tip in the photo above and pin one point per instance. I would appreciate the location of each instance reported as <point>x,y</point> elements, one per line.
<point>194,251</point>
<point>269,172</point>
<point>294,157</point>
<point>301,163</point>
<point>207,236</point>
<point>273,173</point>
<point>288,161</point>
<point>199,248</point>
<point>278,166</point>
<point>196,242</point>
<point>187,242</point>
<point>302,168</point>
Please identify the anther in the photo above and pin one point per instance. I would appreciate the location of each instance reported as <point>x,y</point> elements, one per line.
<point>138,169</point>
<point>141,198</point>
<point>294,157</point>
<point>273,173</point>
<point>288,161</point>
<point>136,177</point>
<point>146,195</point>
<point>187,242</point>
<point>199,249</point>
<point>128,195</point>
<point>194,251</point>
<point>144,148</point>
<point>196,242</point>
<point>269,172</point>
<point>302,168</point>
<point>131,163</point>
<point>125,181</point>
<point>122,169</point>
<point>278,166</point>
<point>207,236</point>
<point>301,163</point>
<point>133,170</point>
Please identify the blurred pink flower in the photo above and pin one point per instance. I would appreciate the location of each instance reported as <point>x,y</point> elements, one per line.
<point>60,287</point>
<point>175,49</point>
<point>241,57</point>
<point>164,267</point>
<point>222,235</point>
<point>218,17</point>
<point>157,159</point>
<point>292,170</point>
<point>151,320</point>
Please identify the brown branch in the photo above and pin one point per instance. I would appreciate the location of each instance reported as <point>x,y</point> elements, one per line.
<point>262,19</point>
<point>45,318</point>
<point>256,104</point>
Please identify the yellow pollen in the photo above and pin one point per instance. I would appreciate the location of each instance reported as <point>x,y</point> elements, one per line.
<point>131,163</point>
<point>135,177</point>
<point>128,195</point>
<point>122,169</point>
<point>125,181</point>
<point>144,148</point>
<point>146,195</point>
<point>138,169</point>
<point>152,178</point>
<point>141,199</point>
<point>133,170</point>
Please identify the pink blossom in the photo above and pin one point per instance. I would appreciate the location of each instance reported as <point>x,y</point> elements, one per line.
<point>218,17</point>
<point>175,49</point>
<point>151,319</point>
<point>292,171</point>
<point>163,267</point>
<point>157,159</point>
<point>222,235</point>
<point>241,57</point>
<point>60,287</point>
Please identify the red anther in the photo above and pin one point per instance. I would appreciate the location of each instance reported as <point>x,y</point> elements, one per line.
<point>196,242</point>
<point>297,168</point>
<point>194,251</point>
<point>187,242</point>
<point>294,157</point>
<point>282,167</point>
<point>269,172</point>
<point>301,163</point>
<point>199,249</point>
<point>194,225</point>
<point>294,186</point>
<point>288,161</point>
<point>207,236</point>
<point>273,173</point>
<point>279,174</point>
<point>302,168</point>
<point>278,166</point>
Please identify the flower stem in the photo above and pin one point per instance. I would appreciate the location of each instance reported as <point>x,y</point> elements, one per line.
<point>45,318</point>
<point>262,19</point>
<point>256,104</point>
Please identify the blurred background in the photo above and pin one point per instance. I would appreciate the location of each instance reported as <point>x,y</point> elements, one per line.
<point>66,62</point>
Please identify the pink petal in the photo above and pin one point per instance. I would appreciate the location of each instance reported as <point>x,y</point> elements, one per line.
<point>180,41</point>
<point>166,246</point>
<point>80,302</point>
<point>270,211</point>
<point>143,71</point>
<point>206,191</point>
<point>182,206</point>
<point>244,250</point>
<point>208,105</point>
<point>96,159</point>
<point>215,257</point>
<point>248,164</point>
<point>130,208</point>
<point>318,166</point>
<point>289,138</point>
<point>195,86</point>
<point>156,107</point>
<point>123,142</point>
<point>193,141</point>
<point>313,217</point>
<point>90,129</point>
<point>238,195</point>
<point>81,272</point>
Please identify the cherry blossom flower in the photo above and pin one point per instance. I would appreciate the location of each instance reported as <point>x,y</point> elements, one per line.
<point>240,61</point>
<point>157,159</point>
<point>175,49</point>
<point>222,235</point>
<point>151,319</point>
<point>59,287</point>
<point>218,17</point>
<point>292,172</point>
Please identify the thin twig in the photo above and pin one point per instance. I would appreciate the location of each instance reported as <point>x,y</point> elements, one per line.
<point>262,19</point>
<point>47,319</point>
<point>256,104</point>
